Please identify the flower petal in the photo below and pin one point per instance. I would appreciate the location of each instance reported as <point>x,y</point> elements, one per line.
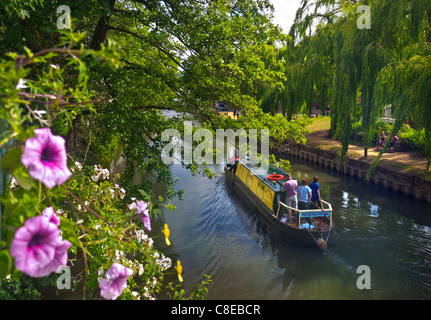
<point>46,158</point>
<point>115,281</point>
<point>38,248</point>
<point>32,152</point>
<point>51,215</point>
<point>59,260</point>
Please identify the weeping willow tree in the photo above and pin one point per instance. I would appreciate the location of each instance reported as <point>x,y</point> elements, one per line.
<point>404,80</point>
<point>307,68</point>
<point>406,84</point>
<point>362,70</point>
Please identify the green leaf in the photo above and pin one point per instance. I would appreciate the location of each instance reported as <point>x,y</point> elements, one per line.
<point>68,229</point>
<point>23,177</point>
<point>28,51</point>
<point>11,160</point>
<point>5,263</point>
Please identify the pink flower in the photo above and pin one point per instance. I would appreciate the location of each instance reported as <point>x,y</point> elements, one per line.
<point>142,210</point>
<point>46,158</point>
<point>51,215</point>
<point>38,247</point>
<point>115,281</point>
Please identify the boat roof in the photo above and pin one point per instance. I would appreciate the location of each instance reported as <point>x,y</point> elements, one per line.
<point>275,185</point>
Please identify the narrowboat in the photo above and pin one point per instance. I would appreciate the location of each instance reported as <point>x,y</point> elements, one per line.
<point>263,192</point>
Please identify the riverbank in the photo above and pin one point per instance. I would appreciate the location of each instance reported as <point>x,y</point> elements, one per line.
<point>403,171</point>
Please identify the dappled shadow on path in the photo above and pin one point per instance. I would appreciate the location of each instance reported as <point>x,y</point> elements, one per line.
<point>404,160</point>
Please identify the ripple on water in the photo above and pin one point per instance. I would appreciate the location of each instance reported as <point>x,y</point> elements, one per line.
<point>217,234</point>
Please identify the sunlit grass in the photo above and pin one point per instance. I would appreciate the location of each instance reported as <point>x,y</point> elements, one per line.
<point>320,123</point>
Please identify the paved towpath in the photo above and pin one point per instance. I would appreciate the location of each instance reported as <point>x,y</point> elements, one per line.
<point>403,160</point>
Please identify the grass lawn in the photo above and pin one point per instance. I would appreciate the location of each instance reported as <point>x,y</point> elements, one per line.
<point>319,124</point>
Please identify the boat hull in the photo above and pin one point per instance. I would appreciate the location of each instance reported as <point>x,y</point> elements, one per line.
<point>285,231</point>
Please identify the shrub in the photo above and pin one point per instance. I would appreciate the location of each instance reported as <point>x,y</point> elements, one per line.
<point>357,133</point>
<point>379,127</point>
<point>413,139</point>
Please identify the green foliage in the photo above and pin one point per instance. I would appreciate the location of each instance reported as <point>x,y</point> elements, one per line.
<point>414,139</point>
<point>127,71</point>
<point>357,132</point>
<point>360,71</point>
<point>179,293</point>
<point>16,287</point>
<point>94,217</point>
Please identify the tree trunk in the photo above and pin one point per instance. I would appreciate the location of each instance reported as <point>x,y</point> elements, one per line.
<point>101,30</point>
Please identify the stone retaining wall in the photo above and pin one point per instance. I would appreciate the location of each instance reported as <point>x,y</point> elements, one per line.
<point>389,177</point>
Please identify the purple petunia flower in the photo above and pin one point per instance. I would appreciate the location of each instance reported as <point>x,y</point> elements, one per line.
<point>46,158</point>
<point>142,210</point>
<point>51,215</point>
<point>38,247</point>
<point>115,281</point>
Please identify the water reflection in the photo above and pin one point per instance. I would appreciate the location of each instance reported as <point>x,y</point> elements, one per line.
<point>214,232</point>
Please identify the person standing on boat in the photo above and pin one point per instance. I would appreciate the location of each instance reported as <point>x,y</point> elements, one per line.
<point>290,186</point>
<point>304,197</point>
<point>315,192</point>
<point>234,167</point>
